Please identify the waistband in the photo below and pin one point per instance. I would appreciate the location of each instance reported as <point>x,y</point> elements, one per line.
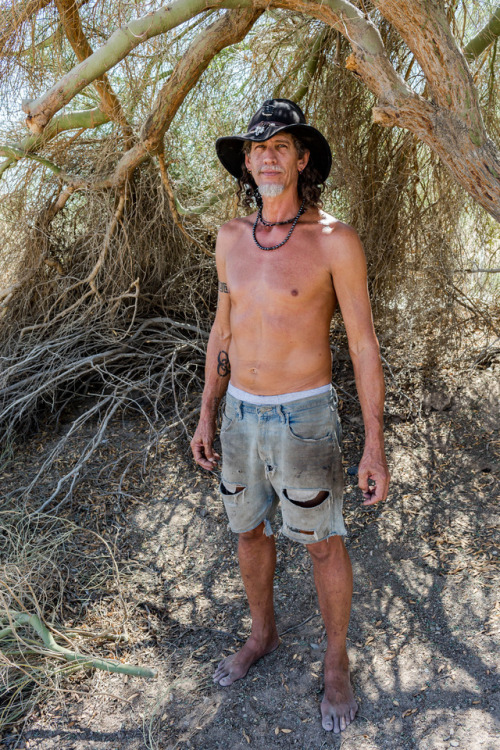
<point>282,398</point>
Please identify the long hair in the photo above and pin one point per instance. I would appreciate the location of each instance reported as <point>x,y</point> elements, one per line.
<point>309,186</point>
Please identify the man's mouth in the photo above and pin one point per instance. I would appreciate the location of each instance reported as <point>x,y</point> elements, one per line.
<point>270,170</point>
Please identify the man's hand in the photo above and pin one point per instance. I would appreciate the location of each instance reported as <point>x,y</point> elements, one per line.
<point>373,466</point>
<point>202,444</point>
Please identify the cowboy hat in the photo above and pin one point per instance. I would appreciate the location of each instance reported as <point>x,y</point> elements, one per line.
<point>276,116</point>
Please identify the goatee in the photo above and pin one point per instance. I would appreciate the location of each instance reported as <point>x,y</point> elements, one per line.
<point>271,190</point>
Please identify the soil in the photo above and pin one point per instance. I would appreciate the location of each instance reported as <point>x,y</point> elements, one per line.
<point>423,635</point>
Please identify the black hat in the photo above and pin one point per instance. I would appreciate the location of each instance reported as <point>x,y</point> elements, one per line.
<point>274,116</point>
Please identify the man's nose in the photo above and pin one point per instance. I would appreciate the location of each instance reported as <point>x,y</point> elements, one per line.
<point>269,155</point>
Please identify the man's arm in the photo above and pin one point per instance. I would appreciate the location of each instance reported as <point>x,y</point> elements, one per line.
<point>350,281</point>
<point>217,367</point>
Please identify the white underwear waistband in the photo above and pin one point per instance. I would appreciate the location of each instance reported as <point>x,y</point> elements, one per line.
<point>282,398</point>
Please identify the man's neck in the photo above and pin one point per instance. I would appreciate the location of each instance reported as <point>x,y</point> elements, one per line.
<point>281,208</point>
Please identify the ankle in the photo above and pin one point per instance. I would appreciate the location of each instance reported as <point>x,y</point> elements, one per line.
<point>264,635</point>
<point>336,658</point>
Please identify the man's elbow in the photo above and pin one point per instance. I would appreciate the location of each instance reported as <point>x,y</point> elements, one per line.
<point>364,349</point>
<point>221,332</point>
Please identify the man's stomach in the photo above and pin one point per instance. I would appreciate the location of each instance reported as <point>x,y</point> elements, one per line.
<point>269,368</point>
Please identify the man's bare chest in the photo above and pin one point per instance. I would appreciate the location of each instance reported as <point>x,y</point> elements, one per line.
<point>290,273</point>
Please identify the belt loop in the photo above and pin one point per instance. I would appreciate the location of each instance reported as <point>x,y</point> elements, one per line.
<point>334,396</point>
<point>239,411</point>
<point>282,414</point>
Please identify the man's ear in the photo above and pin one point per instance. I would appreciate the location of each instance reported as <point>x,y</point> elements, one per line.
<point>302,163</point>
<point>247,161</point>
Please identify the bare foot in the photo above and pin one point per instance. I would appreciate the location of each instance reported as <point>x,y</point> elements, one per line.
<point>338,707</point>
<point>236,666</point>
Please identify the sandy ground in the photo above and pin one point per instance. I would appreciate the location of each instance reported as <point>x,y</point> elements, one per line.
<point>423,635</point>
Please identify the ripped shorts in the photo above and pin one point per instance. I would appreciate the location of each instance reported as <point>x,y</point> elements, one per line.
<point>288,454</point>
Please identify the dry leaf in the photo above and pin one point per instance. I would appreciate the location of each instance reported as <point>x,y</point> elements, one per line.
<point>277,730</point>
<point>286,731</point>
<point>245,735</point>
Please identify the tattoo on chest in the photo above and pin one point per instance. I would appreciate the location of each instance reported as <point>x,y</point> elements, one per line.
<point>223,287</point>
<point>223,366</point>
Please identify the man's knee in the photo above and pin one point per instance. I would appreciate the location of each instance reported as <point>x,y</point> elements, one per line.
<point>254,534</point>
<point>327,548</point>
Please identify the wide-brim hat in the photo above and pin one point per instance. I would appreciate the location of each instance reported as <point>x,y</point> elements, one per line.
<point>275,116</point>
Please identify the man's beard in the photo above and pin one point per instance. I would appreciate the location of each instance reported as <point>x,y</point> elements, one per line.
<point>271,190</point>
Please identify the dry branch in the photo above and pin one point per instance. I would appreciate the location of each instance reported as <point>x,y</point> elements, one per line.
<point>484,38</point>
<point>12,18</point>
<point>110,103</point>
<point>123,41</point>
<point>22,618</point>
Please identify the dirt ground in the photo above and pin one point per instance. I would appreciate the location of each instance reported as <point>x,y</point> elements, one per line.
<point>422,640</point>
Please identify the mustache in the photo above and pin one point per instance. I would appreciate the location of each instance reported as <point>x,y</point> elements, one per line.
<point>270,169</point>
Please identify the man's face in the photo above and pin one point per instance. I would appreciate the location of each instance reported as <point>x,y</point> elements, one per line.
<point>275,164</point>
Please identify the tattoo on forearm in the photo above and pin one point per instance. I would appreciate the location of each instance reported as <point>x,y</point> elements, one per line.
<point>223,366</point>
<point>223,287</point>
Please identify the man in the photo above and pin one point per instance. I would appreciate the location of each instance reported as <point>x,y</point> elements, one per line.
<point>282,270</point>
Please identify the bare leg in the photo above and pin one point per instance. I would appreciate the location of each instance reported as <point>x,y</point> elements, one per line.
<point>257,557</point>
<point>333,579</point>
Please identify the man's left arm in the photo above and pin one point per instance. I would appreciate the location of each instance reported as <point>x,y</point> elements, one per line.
<point>348,267</point>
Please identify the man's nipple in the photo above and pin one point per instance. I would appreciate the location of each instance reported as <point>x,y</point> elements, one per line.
<point>295,292</point>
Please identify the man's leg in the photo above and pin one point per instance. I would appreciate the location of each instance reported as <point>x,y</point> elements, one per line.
<point>257,558</point>
<point>333,579</point>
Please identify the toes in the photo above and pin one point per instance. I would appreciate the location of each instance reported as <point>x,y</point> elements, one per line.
<point>353,713</point>
<point>226,681</point>
<point>327,723</point>
<point>336,727</point>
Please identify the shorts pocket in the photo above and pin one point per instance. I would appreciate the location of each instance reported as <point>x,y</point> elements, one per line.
<point>228,419</point>
<point>312,426</point>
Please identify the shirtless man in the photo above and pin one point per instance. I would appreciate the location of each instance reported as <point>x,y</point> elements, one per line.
<point>279,285</point>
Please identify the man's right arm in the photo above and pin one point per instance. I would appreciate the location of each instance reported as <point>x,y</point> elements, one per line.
<point>217,367</point>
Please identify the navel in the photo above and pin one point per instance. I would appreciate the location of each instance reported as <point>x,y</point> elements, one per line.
<point>294,292</point>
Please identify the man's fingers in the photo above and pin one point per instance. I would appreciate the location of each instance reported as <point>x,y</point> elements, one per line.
<point>363,480</point>
<point>199,456</point>
<point>375,491</point>
<point>203,454</point>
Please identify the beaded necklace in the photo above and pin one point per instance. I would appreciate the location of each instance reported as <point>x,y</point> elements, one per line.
<point>275,224</point>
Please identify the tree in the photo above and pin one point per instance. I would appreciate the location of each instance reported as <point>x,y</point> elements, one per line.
<point>448,119</point>
<point>107,235</point>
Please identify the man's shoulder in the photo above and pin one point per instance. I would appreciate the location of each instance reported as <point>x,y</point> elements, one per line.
<point>335,228</point>
<point>341,241</point>
<point>230,234</point>
<point>235,226</point>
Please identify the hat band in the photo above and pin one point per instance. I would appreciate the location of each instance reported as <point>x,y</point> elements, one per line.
<point>264,124</point>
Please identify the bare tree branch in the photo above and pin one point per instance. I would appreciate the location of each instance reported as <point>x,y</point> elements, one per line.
<point>13,17</point>
<point>110,103</point>
<point>80,120</point>
<point>311,67</point>
<point>426,31</point>
<point>229,29</point>
<point>123,41</point>
<point>484,38</point>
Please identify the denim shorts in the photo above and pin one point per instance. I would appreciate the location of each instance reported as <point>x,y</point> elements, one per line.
<point>285,454</point>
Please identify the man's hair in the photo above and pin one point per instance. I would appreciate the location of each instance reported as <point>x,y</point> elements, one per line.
<point>310,184</point>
